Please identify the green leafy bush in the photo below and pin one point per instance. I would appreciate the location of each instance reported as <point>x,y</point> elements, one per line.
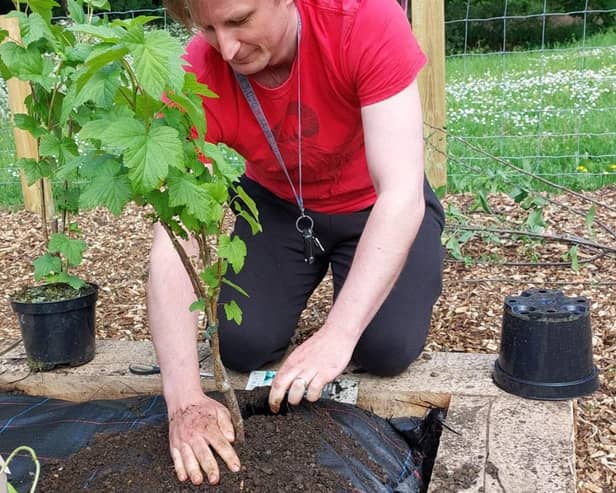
<point>523,27</point>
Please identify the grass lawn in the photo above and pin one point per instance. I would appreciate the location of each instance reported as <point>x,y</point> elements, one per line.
<point>550,112</point>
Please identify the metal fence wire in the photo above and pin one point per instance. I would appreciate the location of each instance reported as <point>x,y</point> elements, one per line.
<point>549,108</point>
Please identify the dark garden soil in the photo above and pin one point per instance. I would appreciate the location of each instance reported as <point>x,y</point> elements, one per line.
<point>278,456</point>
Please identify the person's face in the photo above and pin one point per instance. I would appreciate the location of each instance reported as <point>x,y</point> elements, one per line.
<point>249,34</point>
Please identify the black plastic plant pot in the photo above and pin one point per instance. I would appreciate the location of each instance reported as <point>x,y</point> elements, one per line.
<point>57,333</point>
<point>546,347</point>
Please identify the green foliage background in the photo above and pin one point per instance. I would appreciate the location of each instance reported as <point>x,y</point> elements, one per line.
<point>487,33</point>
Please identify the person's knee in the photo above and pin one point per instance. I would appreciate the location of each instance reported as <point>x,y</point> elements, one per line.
<point>387,358</point>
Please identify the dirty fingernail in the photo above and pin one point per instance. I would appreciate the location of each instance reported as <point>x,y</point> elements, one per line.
<point>235,467</point>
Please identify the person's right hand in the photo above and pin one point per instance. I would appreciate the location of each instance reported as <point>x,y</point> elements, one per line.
<point>195,432</point>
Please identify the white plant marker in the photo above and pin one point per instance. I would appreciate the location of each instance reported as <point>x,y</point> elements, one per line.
<point>342,389</point>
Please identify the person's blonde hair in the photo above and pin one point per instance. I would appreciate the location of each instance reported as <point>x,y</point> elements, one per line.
<point>178,10</point>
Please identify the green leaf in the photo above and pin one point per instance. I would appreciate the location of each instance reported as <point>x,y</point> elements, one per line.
<point>70,166</point>
<point>217,190</point>
<point>71,249</point>
<point>158,61</point>
<point>37,28</point>
<point>43,7</point>
<point>45,265</point>
<point>103,120</point>
<point>481,200</point>
<point>574,258</point>
<point>99,4</point>
<point>233,312</point>
<point>247,199</point>
<point>28,64</point>
<point>33,169</point>
<point>234,250</point>
<point>210,277</point>
<point>74,281</point>
<point>197,306</point>
<point>518,194</point>
<point>68,199</point>
<point>185,191</point>
<point>228,162</point>
<point>234,286</point>
<point>147,153</point>
<point>99,57</point>
<point>194,111</point>
<point>64,150</point>
<point>535,220</point>
<point>5,73</point>
<point>49,145</point>
<point>76,12</point>
<point>30,124</point>
<point>255,227</point>
<point>441,191</point>
<point>136,24</point>
<point>193,86</point>
<point>572,255</point>
<point>190,222</point>
<point>101,87</point>
<point>160,202</point>
<point>453,246</point>
<point>11,489</point>
<point>590,217</point>
<point>105,33</point>
<point>109,188</point>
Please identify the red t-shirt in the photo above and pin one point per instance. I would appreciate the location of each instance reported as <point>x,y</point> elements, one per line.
<point>353,53</point>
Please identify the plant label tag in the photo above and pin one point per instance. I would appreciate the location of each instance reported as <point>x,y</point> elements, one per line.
<point>342,389</point>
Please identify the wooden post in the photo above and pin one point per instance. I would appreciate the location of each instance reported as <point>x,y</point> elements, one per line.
<point>26,146</point>
<point>428,18</point>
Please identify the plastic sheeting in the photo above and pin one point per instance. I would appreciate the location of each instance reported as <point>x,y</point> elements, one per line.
<point>403,447</point>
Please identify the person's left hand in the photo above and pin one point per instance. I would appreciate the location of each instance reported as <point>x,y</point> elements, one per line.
<point>312,365</point>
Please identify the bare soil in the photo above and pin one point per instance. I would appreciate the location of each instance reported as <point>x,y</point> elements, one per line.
<point>467,318</point>
<point>280,455</point>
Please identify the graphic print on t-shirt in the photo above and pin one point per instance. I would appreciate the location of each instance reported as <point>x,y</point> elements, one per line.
<point>319,163</point>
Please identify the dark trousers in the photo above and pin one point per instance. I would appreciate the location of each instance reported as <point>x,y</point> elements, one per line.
<point>279,283</point>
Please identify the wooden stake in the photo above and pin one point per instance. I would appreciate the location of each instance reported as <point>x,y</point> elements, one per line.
<point>26,146</point>
<point>428,17</point>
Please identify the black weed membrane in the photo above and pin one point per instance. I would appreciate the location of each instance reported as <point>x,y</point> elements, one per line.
<point>403,448</point>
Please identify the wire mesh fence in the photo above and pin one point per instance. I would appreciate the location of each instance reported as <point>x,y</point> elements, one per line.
<point>515,91</point>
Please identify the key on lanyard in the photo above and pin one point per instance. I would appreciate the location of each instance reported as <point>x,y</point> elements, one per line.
<point>311,242</point>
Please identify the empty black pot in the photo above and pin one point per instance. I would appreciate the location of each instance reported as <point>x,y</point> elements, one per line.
<point>58,333</point>
<point>546,346</point>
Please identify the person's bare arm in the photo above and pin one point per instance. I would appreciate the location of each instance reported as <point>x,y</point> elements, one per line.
<point>197,424</point>
<point>393,133</point>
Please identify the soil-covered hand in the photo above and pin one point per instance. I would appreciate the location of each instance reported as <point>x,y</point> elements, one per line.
<point>311,366</point>
<point>195,432</point>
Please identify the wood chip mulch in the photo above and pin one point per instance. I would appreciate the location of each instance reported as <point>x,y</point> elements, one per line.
<point>467,318</point>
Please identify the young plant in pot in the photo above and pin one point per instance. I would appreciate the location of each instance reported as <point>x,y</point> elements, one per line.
<point>112,102</point>
<point>57,318</point>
